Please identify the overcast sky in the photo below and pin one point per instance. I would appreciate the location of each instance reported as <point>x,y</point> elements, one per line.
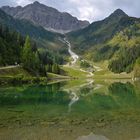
<point>91,10</point>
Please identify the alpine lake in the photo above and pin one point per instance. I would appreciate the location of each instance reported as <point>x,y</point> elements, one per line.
<point>71,110</point>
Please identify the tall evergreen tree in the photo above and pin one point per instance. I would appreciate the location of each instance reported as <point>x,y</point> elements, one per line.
<point>30,59</point>
<point>27,55</point>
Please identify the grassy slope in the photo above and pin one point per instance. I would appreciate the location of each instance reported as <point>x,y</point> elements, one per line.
<point>15,72</point>
<point>17,76</point>
<point>74,73</point>
<point>105,73</point>
<point>11,72</point>
<point>56,76</point>
<point>19,71</point>
<point>70,72</point>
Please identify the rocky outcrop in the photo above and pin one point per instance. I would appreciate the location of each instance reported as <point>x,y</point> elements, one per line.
<point>48,17</point>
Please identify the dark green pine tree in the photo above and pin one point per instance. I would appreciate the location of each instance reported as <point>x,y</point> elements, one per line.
<point>27,55</point>
<point>30,58</point>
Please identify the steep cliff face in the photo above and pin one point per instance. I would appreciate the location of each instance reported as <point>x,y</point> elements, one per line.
<point>48,17</point>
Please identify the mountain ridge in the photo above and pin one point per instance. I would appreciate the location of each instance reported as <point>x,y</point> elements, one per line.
<point>47,17</point>
<point>98,31</point>
<point>46,39</point>
<point>115,39</point>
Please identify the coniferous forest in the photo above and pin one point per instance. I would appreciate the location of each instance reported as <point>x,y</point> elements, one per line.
<point>19,50</point>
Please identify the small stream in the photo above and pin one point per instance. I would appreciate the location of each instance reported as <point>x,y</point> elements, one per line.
<point>73,55</point>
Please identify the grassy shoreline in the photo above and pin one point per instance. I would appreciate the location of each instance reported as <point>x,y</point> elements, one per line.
<point>17,75</point>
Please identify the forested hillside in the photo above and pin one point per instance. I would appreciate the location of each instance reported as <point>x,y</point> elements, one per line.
<point>45,40</point>
<point>115,39</point>
<point>18,50</point>
<point>98,32</point>
<point>11,44</point>
<point>128,42</point>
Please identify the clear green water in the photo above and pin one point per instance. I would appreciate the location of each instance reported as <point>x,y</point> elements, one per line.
<point>72,110</point>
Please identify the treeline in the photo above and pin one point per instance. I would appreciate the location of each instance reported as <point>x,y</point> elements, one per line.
<point>30,59</point>
<point>126,60</point>
<point>33,61</point>
<point>104,52</point>
<point>11,44</point>
<point>129,44</point>
<point>16,49</point>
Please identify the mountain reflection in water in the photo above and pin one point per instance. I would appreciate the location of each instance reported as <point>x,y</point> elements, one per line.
<point>71,110</point>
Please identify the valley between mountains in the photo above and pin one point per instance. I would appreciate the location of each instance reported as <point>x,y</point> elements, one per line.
<point>106,49</point>
<point>63,78</point>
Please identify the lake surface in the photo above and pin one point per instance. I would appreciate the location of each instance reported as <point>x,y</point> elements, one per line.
<point>71,110</point>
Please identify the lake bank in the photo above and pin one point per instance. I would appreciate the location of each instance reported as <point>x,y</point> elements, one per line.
<point>17,75</point>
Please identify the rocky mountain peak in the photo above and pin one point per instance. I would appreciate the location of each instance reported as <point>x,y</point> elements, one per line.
<point>118,13</point>
<point>47,17</point>
<point>36,2</point>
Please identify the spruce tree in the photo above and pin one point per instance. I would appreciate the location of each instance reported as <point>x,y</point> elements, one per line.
<point>27,55</point>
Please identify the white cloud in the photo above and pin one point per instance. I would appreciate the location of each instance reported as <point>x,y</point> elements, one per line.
<point>91,10</point>
<point>85,12</point>
<point>22,2</point>
<point>84,9</point>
